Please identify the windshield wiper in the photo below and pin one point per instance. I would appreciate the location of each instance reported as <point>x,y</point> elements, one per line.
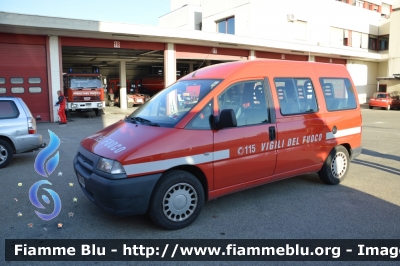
<point>144,121</point>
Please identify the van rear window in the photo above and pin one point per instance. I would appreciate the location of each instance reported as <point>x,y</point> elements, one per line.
<point>8,110</point>
<point>338,93</point>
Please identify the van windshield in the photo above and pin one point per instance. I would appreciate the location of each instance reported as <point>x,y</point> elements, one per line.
<point>170,105</point>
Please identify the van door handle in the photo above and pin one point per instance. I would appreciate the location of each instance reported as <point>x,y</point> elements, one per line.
<point>272,133</point>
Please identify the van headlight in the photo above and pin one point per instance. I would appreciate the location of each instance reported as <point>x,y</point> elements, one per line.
<point>110,166</point>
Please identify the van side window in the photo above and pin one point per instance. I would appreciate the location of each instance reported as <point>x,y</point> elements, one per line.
<point>338,93</point>
<point>296,95</point>
<point>248,101</point>
<point>202,119</point>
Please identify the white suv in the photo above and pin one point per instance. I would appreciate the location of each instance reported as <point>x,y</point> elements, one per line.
<point>17,129</point>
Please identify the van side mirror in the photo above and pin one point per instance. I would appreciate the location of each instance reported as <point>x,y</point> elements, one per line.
<point>227,118</point>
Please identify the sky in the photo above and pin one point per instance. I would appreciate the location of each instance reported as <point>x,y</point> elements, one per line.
<point>144,12</point>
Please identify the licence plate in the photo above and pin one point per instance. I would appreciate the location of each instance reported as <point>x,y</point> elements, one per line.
<point>139,100</point>
<point>81,180</point>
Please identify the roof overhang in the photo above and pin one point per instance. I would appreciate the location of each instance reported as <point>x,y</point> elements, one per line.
<point>56,26</point>
<point>394,77</point>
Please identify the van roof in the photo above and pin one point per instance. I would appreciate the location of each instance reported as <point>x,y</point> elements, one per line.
<point>256,67</point>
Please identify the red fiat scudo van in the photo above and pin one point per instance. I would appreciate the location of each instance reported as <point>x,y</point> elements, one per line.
<point>222,129</point>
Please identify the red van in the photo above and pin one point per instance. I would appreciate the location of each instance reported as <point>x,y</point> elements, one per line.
<point>222,129</point>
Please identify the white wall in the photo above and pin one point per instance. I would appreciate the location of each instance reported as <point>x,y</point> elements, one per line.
<point>384,28</point>
<point>268,19</point>
<point>394,41</point>
<point>222,9</point>
<point>55,85</point>
<point>383,69</point>
<point>186,17</point>
<point>364,75</point>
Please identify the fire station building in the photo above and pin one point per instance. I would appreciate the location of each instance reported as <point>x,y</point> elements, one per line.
<point>35,51</point>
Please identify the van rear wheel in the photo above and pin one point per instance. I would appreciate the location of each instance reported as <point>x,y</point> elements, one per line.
<point>177,200</point>
<point>336,166</point>
<point>6,153</point>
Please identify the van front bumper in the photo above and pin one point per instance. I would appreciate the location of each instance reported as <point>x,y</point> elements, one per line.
<point>124,196</point>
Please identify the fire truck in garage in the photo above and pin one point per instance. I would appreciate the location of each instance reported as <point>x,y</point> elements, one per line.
<point>84,92</point>
<point>133,95</point>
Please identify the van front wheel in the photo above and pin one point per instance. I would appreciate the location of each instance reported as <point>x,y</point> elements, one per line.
<point>177,200</point>
<point>335,166</point>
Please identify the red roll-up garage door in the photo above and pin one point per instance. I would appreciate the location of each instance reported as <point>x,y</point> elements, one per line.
<point>330,60</point>
<point>23,71</point>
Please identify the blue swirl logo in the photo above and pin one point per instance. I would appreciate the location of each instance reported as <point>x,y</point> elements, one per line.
<point>35,201</point>
<point>45,154</point>
<point>45,164</point>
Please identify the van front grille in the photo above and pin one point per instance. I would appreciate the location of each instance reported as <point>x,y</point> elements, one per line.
<point>85,159</point>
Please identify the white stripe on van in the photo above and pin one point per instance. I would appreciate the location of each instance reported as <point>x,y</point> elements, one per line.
<point>140,168</point>
<point>343,133</point>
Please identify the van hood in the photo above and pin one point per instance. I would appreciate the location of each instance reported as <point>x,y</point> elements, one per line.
<point>122,139</point>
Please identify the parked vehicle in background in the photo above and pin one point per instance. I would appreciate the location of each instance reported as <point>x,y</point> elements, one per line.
<point>84,92</point>
<point>386,100</point>
<point>17,129</point>
<point>133,95</point>
<point>153,84</point>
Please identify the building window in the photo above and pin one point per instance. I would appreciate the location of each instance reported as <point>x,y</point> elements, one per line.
<point>226,25</point>
<point>372,43</point>
<point>35,89</point>
<point>17,90</point>
<point>300,30</point>
<point>346,37</point>
<point>383,44</point>
<point>34,80</point>
<point>385,10</point>
<point>359,3</point>
<point>3,90</point>
<point>336,36</point>
<point>17,80</point>
<point>2,80</point>
<point>380,43</point>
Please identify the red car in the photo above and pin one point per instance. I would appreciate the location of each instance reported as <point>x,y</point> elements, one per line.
<point>387,100</point>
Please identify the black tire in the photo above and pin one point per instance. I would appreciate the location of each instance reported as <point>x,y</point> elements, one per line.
<point>6,153</point>
<point>67,114</point>
<point>370,107</point>
<point>180,186</point>
<point>336,166</point>
<point>98,112</point>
